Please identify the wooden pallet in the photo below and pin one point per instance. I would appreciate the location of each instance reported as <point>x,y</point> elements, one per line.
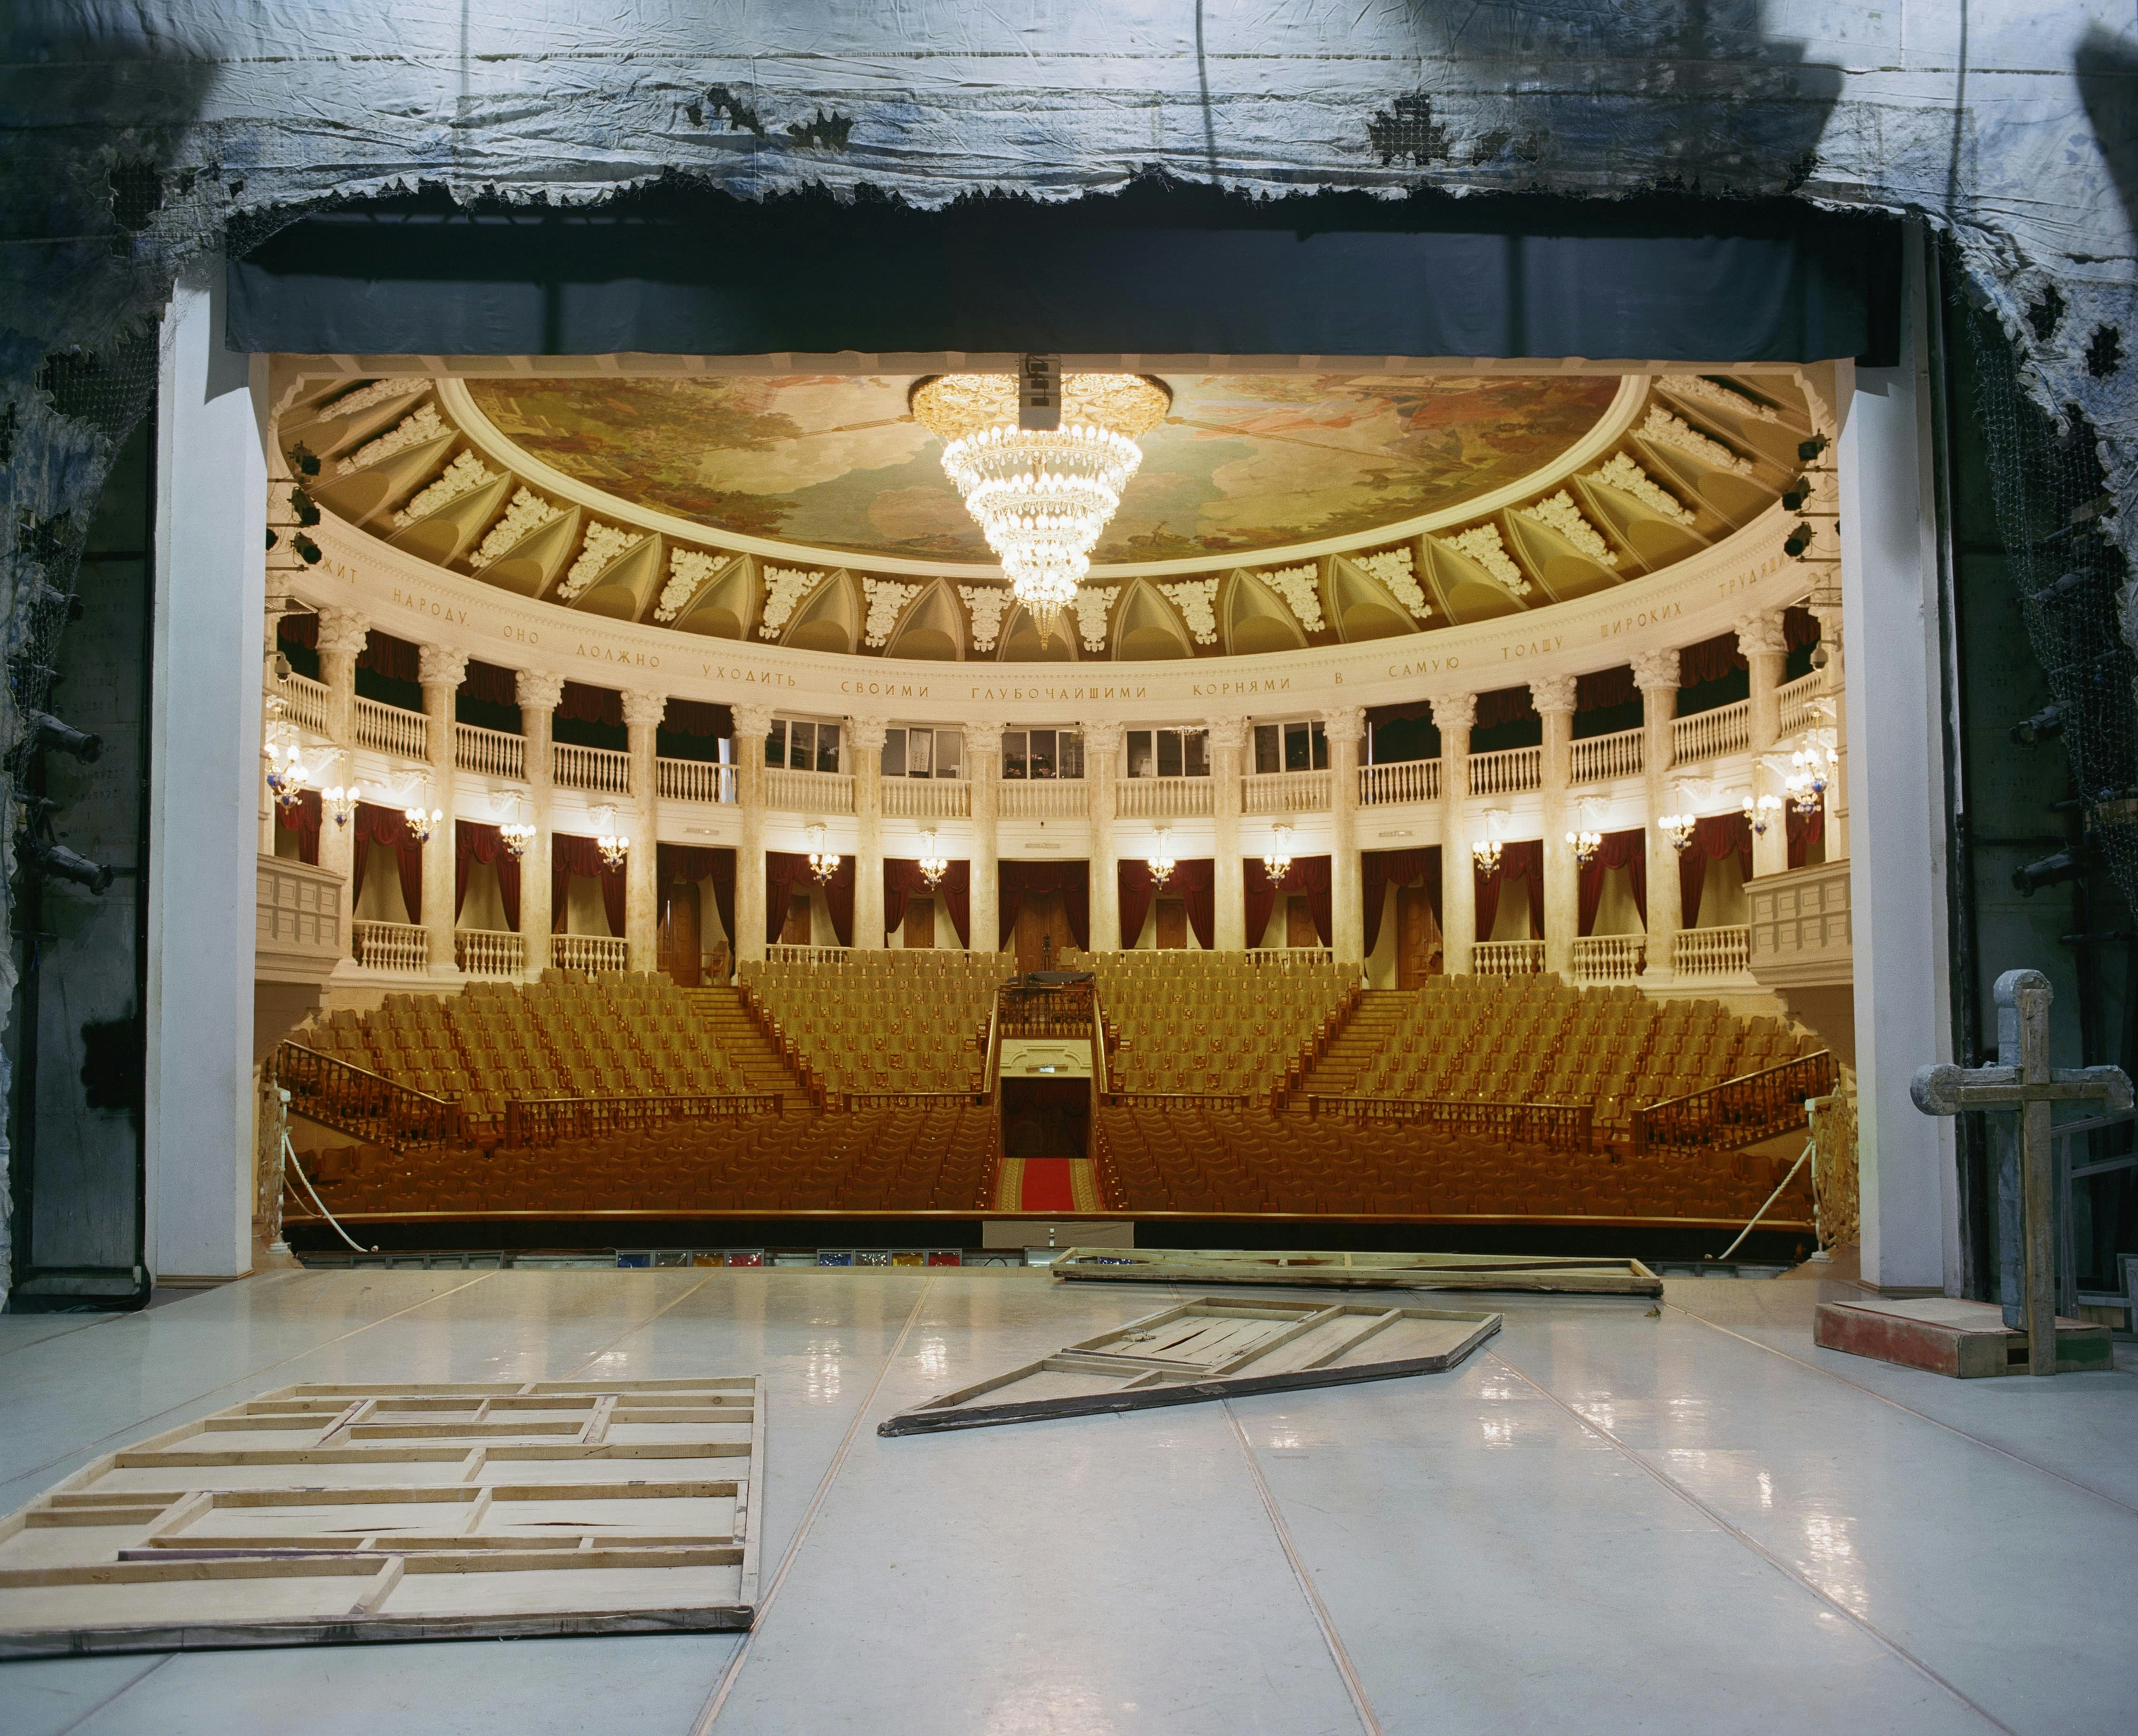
<point>1360,1271</point>
<point>1211,1349</point>
<point>330,1515</point>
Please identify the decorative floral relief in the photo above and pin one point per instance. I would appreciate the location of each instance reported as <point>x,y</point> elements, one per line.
<point>410,431</point>
<point>1302,595</point>
<point>527,512</point>
<point>1723,397</point>
<point>603,543</point>
<point>1666,429</point>
<point>1481,543</point>
<point>784,587</point>
<point>688,570</point>
<point>1195,598</point>
<point>986,604</point>
<point>1628,478</point>
<point>1392,567</point>
<point>886,597</point>
<point>1559,512</point>
<point>366,397</point>
<point>464,475</point>
<point>1094,603</point>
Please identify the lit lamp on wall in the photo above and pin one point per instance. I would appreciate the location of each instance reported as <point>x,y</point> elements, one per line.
<point>423,822</point>
<point>515,832</point>
<point>1486,851</point>
<point>286,768</point>
<point>1160,859</point>
<point>1678,829</point>
<point>934,866</point>
<point>339,802</point>
<point>613,845</point>
<point>1806,783</point>
<point>1585,845</point>
<point>1277,862</point>
<point>823,863</point>
<point>1761,814</point>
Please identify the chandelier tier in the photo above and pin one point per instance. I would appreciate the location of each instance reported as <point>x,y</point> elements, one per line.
<point>1041,496</point>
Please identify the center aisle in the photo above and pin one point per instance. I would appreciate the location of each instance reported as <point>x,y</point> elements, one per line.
<point>1046,1184</point>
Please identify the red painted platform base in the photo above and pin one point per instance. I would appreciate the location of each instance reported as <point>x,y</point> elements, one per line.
<point>1966,1340</point>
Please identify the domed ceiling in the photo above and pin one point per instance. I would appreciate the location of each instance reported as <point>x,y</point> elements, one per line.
<point>1243,464</point>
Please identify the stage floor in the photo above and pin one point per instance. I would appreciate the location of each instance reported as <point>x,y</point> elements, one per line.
<point>1602,1522</point>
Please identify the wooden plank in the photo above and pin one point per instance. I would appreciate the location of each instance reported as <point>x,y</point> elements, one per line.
<point>1088,1379</point>
<point>1353,1269</point>
<point>240,1544</point>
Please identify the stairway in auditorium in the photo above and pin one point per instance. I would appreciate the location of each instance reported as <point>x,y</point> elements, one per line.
<point>1379,1013</point>
<point>722,1011</point>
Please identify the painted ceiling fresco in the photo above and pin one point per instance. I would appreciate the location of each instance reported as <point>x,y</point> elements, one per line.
<point>1245,462</point>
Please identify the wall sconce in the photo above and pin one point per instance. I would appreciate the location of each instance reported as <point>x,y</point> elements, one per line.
<point>1160,859</point>
<point>1277,862</point>
<point>932,864</point>
<point>1585,845</point>
<point>823,863</point>
<point>1678,829</point>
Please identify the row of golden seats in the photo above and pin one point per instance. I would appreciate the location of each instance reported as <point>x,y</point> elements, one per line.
<point>940,1158</point>
<point>898,1020</point>
<point>1186,1160</point>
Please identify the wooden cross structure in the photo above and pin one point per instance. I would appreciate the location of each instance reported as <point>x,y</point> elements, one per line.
<point>2023,1086</point>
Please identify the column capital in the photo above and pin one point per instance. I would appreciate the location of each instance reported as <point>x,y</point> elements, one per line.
<point>867,734</point>
<point>1762,633</point>
<point>1454,711</point>
<point>1227,732</point>
<point>1344,723</point>
<point>538,690</point>
<point>751,721</point>
<point>1653,669</point>
<point>343,632</point>
<point>641,710</point>
<point>1828,615</point>
<point>1102,739</point>
<point>1553,693</point>
<point>440,665</point>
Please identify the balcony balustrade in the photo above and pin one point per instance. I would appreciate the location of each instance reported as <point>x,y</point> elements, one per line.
<point>1043,798</point>
<point>1165,798</point>
<point>391,730</point>
<point>1399,781</point>
<point>1804,704</point>
<point>1718,952</point>
<point>1710,734</point>
<point>1511,772</point>
<point>809,793</point>
<point>694,780</point>
<point>488,952</point>
<point>1598,959</point>
<point>1285,792</point>
<point>490,753</point>
<point>303,702</point>
<point>602,771</point>
<point>1508,958</point>
<point>397,946</point>
<point>587,952</point>
<point>1600,758</point>
<point>927,798</point>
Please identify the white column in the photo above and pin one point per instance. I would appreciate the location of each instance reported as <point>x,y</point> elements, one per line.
<point>440,670</point>
<point>865,735</point>
<point>1831,638</point>
<point>642,713</point>
<point>204,771</point>
<point>1553,696</point>
<point>538,694</point>
<point>1452,715</point>
<point>982,765</point>
<point>1897,884</point>
<point>1228,735</point>
<point>1765,647</point>
<point>1102,750</point>
<point>752,724</point>
<point>1656,674</point>
<point>1345,727</point>
<point>342,635</point>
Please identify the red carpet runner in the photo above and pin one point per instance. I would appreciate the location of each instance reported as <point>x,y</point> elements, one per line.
<point>1047,1185</point>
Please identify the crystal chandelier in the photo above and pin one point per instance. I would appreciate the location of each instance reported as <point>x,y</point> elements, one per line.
<point>422,821</point>
<point>1678,829</point>
<point>1277,862</point>
<point>613,844</point>
<point>1761,814</point>
<point>1485,853</point>
<point>932,864</point>
<point>1585,846</point>
<point>341,801</point>
<point>823,863</point>
<point>286,774</point>
<point>1040,496</point>
<point>1806,783</point>
<point>516,838</point>
<point>1160,860</point>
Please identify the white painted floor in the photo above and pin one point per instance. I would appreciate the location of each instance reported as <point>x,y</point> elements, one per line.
<point>1605,1522</point>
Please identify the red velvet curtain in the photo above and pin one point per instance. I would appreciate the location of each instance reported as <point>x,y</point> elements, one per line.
<point>1194,882</point>
<point>785,872</point>
<point>691,863</point>
<point>389,826</point>
<point>1799,626</point>
<point>384,655</point>
<point>1714,836</point>
<point>489,685</point>
<point>570,856</point>
<point>1503,705</point>
<point>1522,860</point>
<point>1803,831</point>
<point>475,842</point>
<point>302,822</point>
<point>1605,690</point>
<point>1627,849</point>
<point>1709,660</point>
<point>588,705</point>
<point>1382,868</point>
<point>1308,874</point>
<point>695,717</point>
<point>723,896</point>
<point>1018,880</point>
<point>902,879</point>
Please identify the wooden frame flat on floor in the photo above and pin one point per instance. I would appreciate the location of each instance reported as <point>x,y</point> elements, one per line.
<point>1360,1269</point>
<point>1211,1349</point>
<point>333,1515</point>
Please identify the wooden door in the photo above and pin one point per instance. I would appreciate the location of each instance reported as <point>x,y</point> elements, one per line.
<point>1172,924</point>
<point>797,931</point>
<point>1418,938</point>
<point>1299,929</point>
<point>1039,919</point>
<point>677,952</point>
<point>920,923</point>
